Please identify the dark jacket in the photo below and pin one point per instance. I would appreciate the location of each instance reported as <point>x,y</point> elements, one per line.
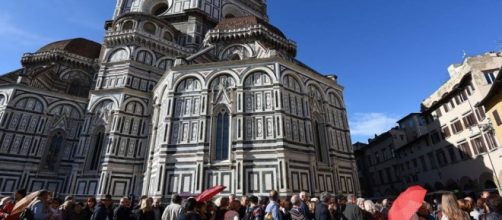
<point>304,208</point>
<point>122,213</point>
<point>494,216</point>
<point>75,216</point>
<point>352,212</point>
<point>322,212</point>
<point>189,216</point>
<point>101,212</point>
<point>140,215</point>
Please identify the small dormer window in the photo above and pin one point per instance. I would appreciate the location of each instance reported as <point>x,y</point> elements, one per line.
<point>168,36</point>
<point>160,9</point>
<point>149,27</point>
<point>128,25</point>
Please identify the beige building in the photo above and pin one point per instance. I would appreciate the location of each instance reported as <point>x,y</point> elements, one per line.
<point>449,145</point>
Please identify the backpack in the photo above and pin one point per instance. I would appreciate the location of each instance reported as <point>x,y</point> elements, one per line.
<point>27,214</point>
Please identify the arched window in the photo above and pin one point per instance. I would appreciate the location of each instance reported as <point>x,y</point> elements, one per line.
<point>118,55</point>
<point>97,147</point>
<point>128,25</point>
<point>126,7</point>
<point>165,63</point>
<point>149,27</point>
<point>144,57</point>
<point>53,149</point>
<point>222,135</point>
<point>168,36</point>
<point>320,141</point>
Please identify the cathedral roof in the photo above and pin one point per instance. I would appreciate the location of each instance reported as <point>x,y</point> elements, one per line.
<point>245,22</point>
<point>77,46</point>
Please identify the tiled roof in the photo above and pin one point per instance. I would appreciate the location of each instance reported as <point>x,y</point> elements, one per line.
<point>78,46</point>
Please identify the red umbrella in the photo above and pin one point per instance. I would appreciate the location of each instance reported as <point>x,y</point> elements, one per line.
<point>210,193</point>
<point>407,203</point>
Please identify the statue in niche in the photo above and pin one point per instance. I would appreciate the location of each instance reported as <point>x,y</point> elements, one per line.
<point>104,113</point>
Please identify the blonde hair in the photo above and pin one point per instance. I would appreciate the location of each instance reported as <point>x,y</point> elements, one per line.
<point>369,206</point>
<point>145,205</point>
<point>450,207</point>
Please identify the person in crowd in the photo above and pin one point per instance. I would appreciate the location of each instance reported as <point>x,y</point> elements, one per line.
<point>385,208</point>
<point>6,206</point>
<point>56,213</point>
<point>67,208</point>
<point>89,207</point>
<point>254,210</point>
<point>40,206</point>
<point>312,204</point>
<point>450,209</point>
<point>264,200</point>
<point>201,208</point>
<point>333,208</point>
<point>190,213</point>
<point>321,210</point>
<point>123,211</point>
<point>233,211</point>
<point>222,208</point>
<point>145,211</point>
<point>210,210</point>
<point>424,212</point>
<point>158,209</point>
<point>296,212</point>
<point>104,210</point>
<point>360,203</point>
<point>173,210</point>
<point>485,194</point>
<point>464,205</point>
<point>479,209</point>
<point>285,208</point>
<point>243,207</point>
<point>352,211</point>
<point>494,203</point>
<point>231,198</point>
<point>272,211</point>
<point>304,198</point>
<point>77,213</point>
<point>374,213</point>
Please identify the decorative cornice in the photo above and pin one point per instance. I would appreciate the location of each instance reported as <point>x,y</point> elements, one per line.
<point>255,31</point>
<point>57,55</point>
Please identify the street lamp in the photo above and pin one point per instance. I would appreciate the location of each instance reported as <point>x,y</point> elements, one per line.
<point>488,127</point>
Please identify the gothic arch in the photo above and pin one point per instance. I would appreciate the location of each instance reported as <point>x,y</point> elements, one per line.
<point>296,78</point>
<point>127,25</point>
<point>213,76</point>
<point>221,130</point>
<point>185,76</point>
<point>137,55</point>
<point>17,101</point>
<point>97,147</point>
<point>141,110</point>
<point>242,50</point>
<point>334,98</point>
<point>160,61</point>
<point>266,70</point>
<point>316,85</point>
<point>265,80</point>
<point>92,107</point>
<point>118,55</point>
<point>320,138</point>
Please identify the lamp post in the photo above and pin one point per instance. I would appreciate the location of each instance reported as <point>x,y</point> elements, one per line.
<point>491,131</point>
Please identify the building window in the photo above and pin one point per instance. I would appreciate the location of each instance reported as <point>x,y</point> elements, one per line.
<point>479,145</point>
<point>496,116</point>
<point>128,25</point>
<point>165,63</point>
<point>446,131</point>
<point>435,137</point>
<point>51,158</point>
<point>490,140</point>
<point>145,57</point>
<point>446,109</point>
<point>319,141</point>
<point>222,135</point>
<point>480,112</point>
<point>465,151</point>
<point>469,120</point>
<point>97,148</point>
<point>490,77</point>
<point>441,156</point>
<point>149,28</point>
<point>452,153</point>
<point>432,160</point>
<point>457,127</point>
<point>422,161</point>
<point>160,9</point>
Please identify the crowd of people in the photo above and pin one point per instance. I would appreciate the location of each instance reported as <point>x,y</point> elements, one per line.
<point>295,207</point>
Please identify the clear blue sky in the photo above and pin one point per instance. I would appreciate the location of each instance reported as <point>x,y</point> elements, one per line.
<point>389,54</point>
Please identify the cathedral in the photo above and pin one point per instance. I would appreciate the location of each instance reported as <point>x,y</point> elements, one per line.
<point>180,96</point>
